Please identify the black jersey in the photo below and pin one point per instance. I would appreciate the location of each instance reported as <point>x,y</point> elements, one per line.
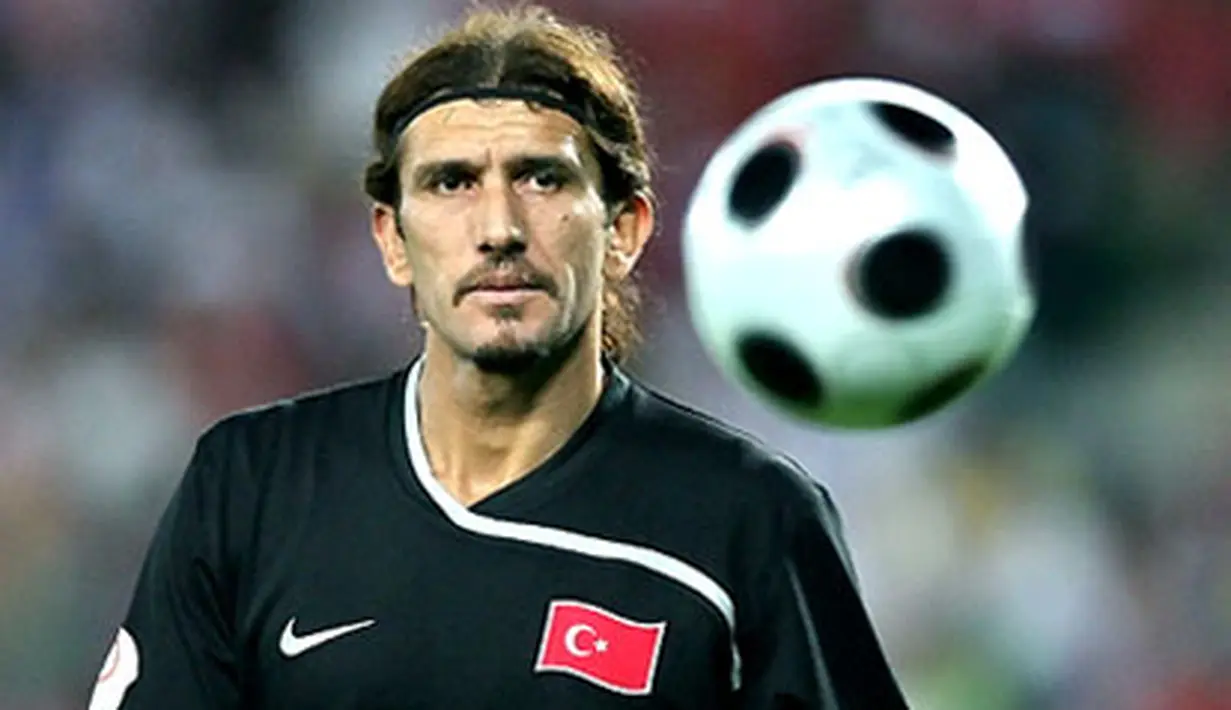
<point>310,560</point>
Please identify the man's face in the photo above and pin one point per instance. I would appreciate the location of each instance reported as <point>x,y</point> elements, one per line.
<point>502,229</point>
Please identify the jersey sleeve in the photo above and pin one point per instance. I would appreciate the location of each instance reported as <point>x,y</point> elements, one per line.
<point>808,641</point>
<point>175,647</point>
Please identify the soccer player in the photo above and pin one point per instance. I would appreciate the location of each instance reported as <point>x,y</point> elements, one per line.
<point>511,520</point>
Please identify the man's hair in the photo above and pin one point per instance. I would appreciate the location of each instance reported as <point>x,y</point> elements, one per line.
<point>530,51</point>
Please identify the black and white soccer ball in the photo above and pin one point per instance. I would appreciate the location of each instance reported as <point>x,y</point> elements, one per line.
<point>853,254</point>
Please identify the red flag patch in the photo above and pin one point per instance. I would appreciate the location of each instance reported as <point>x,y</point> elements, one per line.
<point>599,646</point>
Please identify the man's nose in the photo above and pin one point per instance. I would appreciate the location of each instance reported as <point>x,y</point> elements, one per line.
<point>501,224</point>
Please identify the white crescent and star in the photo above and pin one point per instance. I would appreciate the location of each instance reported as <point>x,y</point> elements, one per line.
<point>571,638</point>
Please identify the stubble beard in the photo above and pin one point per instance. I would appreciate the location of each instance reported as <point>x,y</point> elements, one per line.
<point>508,355</point>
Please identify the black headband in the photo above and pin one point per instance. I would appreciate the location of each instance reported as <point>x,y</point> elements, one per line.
<point>541,97</point>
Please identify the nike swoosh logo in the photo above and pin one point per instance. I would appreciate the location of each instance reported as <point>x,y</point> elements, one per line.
<point>292,645</point>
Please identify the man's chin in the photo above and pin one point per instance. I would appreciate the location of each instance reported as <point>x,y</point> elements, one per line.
<point>509,357</point>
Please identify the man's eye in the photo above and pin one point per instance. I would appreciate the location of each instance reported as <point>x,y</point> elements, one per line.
<point>452,183</point>
<point>545,180</point>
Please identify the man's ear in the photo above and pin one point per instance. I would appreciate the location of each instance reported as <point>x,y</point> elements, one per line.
<point>386,230</point>
<point>630,232</point>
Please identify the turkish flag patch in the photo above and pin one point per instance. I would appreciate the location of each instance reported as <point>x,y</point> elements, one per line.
<point>601,647</point>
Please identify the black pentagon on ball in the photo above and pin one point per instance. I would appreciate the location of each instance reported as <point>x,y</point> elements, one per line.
<point>763,181</point>
<point>903,275</point>
<point>916,128</point>
<point>781,369</point>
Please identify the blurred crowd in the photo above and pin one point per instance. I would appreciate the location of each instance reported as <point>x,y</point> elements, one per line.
<point>182,234</point>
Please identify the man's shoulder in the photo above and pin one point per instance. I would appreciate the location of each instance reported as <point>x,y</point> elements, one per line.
<point>713,474</point>
<point>702,447</point>
<point>339,408</point>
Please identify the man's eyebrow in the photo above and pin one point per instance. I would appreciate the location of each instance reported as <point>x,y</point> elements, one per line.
<point>515,166</point>
<point>538,160</point>
<point>428,172</point>
<point>522,164</point>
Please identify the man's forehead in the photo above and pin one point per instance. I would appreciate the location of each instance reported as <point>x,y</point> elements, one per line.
<point>462,128</point>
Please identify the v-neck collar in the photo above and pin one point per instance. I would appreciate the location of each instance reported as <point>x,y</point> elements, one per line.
<point>533,488</point>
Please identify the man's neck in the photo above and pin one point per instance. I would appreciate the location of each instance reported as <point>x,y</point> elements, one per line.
<point>484,431</point>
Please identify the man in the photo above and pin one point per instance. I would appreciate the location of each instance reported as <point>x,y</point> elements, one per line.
<point>510,521</point>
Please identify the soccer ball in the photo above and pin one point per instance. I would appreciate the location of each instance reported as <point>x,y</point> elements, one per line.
<point>852,254</point>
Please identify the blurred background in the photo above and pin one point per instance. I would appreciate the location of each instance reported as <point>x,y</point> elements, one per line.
<point>182,233</point>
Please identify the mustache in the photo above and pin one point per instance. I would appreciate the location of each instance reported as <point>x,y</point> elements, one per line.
<point>505,274</point>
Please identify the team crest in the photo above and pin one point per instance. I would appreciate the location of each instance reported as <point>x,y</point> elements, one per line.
<point>601,647</point>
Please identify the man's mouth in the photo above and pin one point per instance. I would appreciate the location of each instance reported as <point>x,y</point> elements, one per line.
<point>507,286</point>
<point>504,288</point>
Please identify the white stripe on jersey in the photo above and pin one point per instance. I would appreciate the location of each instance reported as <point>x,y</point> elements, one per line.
<point>567,540</point>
